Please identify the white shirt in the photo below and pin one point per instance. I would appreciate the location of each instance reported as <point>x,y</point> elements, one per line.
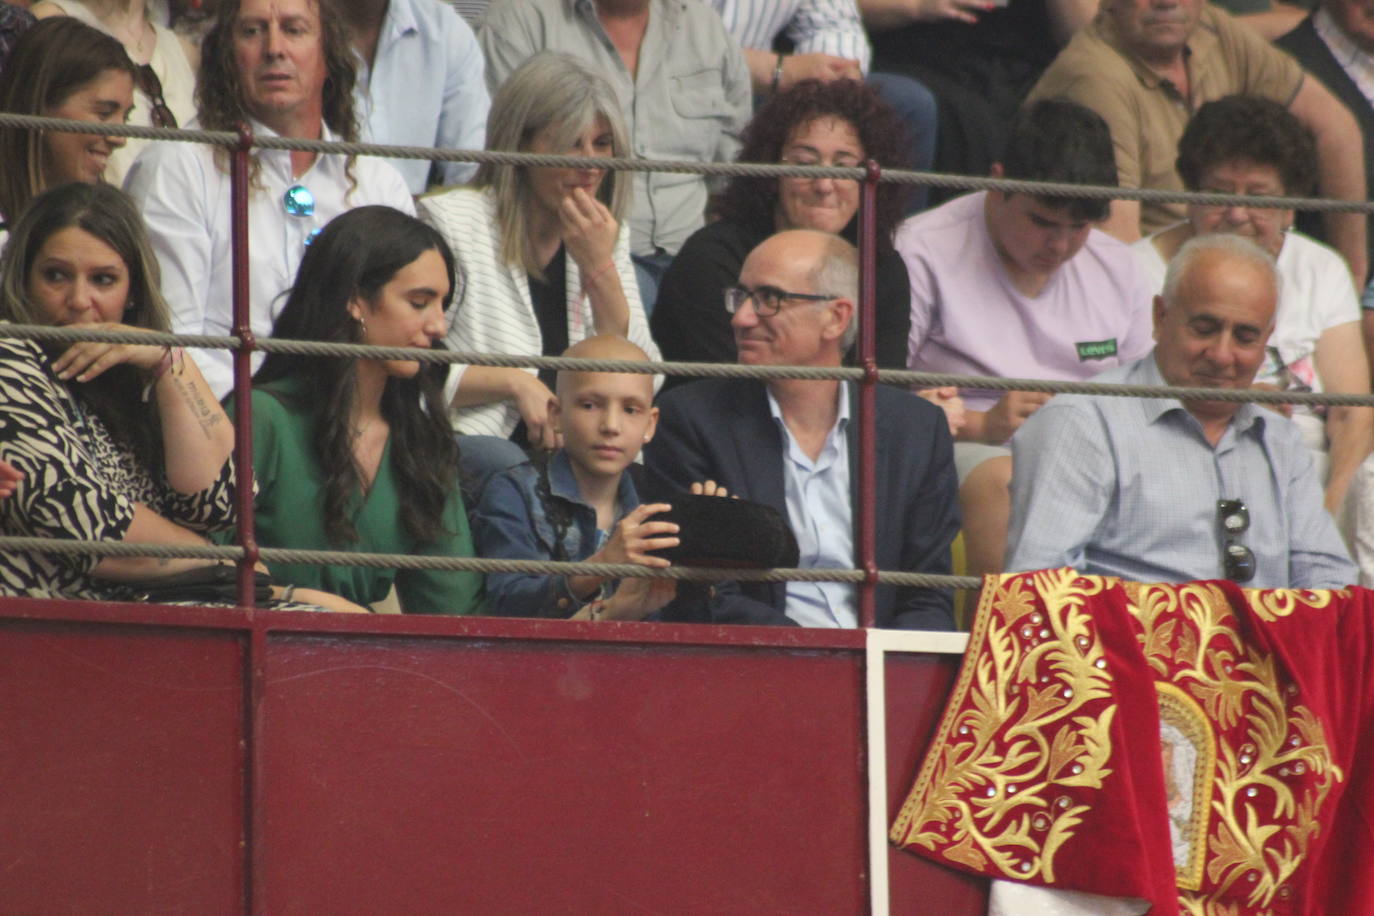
<point>819,512</point>
<point>824,26</point>
<point>426,87</point>
<point>183,192</point>
<point>1357,63</point>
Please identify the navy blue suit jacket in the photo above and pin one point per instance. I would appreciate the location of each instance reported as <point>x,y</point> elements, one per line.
<point>721,429</point>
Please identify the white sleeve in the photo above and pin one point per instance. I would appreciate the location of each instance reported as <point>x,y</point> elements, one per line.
<point>638,332</point>
<point>463,119</point>
<point>176,189</point>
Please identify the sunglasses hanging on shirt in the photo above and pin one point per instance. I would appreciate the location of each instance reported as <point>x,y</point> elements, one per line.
<point>1237,560</point>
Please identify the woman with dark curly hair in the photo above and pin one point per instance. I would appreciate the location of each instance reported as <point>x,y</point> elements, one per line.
<point>841,123</point>
<point>1249,145</point>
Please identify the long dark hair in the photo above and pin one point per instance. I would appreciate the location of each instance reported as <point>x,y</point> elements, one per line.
<point>356,255</point>
<point>753,201</point>
<point>54,59</point>
<point>106,213</point>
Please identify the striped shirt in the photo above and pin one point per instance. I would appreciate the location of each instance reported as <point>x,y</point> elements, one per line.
<point>825,26</point>
<point>471,10</point>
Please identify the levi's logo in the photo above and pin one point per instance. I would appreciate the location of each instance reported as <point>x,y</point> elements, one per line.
<point>1096,349</point>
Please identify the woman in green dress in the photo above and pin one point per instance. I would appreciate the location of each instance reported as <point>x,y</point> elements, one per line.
<point>358,454</point>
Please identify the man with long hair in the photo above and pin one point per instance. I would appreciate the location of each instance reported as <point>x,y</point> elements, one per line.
<point>285,68</point>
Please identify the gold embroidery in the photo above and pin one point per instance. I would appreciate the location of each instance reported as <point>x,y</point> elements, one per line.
<point>1271,604</point>
<point>1260,830</point>
<point>1188,766</point>
<point>1034,719</point>
<point>1026,740</point>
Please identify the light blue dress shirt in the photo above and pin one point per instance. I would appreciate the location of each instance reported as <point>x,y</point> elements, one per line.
<point>1129,487</point>
<point>819,511</point>
<point>427,87</point>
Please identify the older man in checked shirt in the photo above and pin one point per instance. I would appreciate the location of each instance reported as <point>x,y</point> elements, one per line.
<point>1163,490</point>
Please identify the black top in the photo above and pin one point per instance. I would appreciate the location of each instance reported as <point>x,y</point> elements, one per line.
<point>549,298</point>
<point>689,320</point>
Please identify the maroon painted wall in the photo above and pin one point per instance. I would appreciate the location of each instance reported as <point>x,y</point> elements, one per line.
<point>196,760</point>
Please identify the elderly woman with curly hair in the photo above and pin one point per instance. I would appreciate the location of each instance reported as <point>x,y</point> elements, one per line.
<point>841,123</point>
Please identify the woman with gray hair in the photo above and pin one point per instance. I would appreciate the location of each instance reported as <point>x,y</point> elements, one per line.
<point>545,251</point>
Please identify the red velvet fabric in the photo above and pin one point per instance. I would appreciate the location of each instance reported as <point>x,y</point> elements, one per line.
<point>1200,746</point>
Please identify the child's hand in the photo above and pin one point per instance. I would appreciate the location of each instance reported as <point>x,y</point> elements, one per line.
<point>710,488</point>
<point>636,599</point>
<point>634,537</point>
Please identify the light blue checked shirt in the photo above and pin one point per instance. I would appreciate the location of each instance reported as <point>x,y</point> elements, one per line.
<point>1129,487</point>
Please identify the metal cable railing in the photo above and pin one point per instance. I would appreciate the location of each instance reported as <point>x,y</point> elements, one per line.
<point>243,342</point>
<point>229,140</point>
<point>704,370</point>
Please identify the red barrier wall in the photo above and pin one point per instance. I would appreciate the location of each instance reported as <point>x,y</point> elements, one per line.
<point>206,761</point>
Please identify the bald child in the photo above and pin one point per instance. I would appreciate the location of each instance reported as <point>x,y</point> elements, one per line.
<point>578,502</point>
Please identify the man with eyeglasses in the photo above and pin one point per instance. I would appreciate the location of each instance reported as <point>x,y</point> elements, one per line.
<point>1166,490</point>
<point>790,443</point>
<point>286,67</point>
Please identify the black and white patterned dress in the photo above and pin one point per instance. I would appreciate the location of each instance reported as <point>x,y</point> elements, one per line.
<point>80,482</point>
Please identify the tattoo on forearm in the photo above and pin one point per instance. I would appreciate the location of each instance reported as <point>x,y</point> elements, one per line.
<point>207,415</point>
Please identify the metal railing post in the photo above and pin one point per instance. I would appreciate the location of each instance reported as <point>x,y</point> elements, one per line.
<point>243,365</point>
<point>868,492</point>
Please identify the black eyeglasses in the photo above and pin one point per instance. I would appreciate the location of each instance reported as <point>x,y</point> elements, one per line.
<point>767,299</point>
<point>145,78</point>
<point>1237,560</point>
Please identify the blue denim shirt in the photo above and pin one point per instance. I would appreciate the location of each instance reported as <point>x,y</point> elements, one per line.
<point>512,522</point>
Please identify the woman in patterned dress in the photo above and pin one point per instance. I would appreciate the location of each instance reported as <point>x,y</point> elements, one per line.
<point>112,441</point>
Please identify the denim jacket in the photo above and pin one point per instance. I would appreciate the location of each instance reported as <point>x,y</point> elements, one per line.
<point>512,522</point>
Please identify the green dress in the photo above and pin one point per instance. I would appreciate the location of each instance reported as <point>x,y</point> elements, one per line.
<point>290,515</point>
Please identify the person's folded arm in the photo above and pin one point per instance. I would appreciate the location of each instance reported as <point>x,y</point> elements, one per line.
<point>1344,369</point>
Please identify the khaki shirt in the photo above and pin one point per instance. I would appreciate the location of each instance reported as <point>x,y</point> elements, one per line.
<point>1146,112</point>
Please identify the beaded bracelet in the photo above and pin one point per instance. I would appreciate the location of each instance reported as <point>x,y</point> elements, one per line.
<point>172,357</point>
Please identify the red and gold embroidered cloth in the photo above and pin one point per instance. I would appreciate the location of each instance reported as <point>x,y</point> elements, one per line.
<point>1200,746</point>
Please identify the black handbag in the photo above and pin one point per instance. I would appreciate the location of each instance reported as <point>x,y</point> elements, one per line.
<point>203,585</point>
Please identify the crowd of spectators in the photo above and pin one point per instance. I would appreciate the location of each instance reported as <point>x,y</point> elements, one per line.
<point>127,441</point>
